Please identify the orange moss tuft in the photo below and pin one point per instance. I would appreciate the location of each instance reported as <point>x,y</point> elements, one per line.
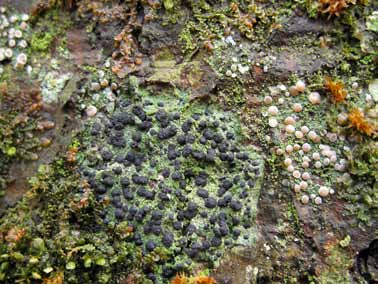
<point>208,46</point>
<point>71,154</point>
<point>57,279</point>
<point>14,235</point>
<point>3,89</point>
<point>338,93</point>
<point>234,7</point>
<point>358,121</point>
<point>204,280</point>
<point>180,279</point>
<point>334,7</point>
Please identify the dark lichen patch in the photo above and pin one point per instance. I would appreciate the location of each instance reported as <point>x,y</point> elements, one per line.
<point>182,181</point>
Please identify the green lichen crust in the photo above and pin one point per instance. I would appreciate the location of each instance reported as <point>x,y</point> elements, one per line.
<point>178,173</point>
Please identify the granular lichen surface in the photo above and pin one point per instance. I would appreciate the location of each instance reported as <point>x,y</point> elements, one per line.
<point>179,174</point>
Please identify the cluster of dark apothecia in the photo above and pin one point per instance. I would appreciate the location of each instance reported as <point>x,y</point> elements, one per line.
<point>181,179</point>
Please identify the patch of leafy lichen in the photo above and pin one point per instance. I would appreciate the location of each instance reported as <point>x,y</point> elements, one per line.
<point>209,23</point>
<point>338,262</point>
<point>361,188</point>
<point>55,234</point>
<point>18,121</point>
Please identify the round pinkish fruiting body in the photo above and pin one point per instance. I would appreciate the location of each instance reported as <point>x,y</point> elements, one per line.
<point>273,122</point>
<point>318,200</point>
<point>306,147</point>
<point>293,91</point>
<point>289,120</point>
<point>306,176</point>
<point>290,168</point>
<point>303,185</point>
<point>312,135</point>
<point>305,129</point>
<point>305,165</point>
<point>297,174</point>
<point>297,188</point>
<point>273,110</point>
<point>268,100</point>
<point>305,199</point>
<point>299,134</point>
<point>290,129</point>
<point>323,191</point>
<point>297,107</point>
<point>280,152</point>
<point>316,156</point>
<point>300,86</point>
<point>289,149</point>
<point>314,98</point>
<point>287,162</point>
<point>91,111</point>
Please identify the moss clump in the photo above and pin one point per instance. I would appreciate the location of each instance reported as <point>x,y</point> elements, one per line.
<point>41,41</point>
<point>49,27</point>
<point>338,262</point>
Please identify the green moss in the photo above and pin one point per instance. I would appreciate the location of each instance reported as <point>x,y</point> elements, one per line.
<point>41,41</point>
<point>233,94</point>
<point>49,28</point>
<point>167,72</point>
<point>293,218</point>
<point>338,264</point>
<point>345,242</point>
<point>11,151</point>
<point>173,12</point>
<point>168,4</point>
<point>187,39</point>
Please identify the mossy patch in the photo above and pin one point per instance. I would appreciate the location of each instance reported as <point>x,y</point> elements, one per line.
<point>50,27</point>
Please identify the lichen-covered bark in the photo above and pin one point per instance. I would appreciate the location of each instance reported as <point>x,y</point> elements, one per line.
<point>188,141</point>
